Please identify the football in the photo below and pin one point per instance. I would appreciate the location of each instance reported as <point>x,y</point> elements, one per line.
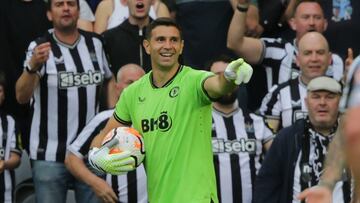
<point>129,139</point>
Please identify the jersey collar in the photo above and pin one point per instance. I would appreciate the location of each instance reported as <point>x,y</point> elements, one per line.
<point>168,82</point>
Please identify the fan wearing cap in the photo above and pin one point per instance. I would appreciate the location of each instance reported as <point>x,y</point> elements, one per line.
<point>344,150</point>
<point>295,160</point>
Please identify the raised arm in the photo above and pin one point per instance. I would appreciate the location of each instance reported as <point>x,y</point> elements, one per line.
<point>161,9</point>
<point>237,72</point>
<point>30,78</point>
<point>102,14</point>
<point>251,49</point>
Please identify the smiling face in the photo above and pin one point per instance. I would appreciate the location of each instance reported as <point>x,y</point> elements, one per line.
<point>164,46</point>
<point>323,108</point>
<point>308,16</point>
<point>313,57</point>
<point>64,14</point>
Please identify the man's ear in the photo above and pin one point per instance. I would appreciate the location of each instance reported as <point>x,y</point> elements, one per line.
<point>49,16</point>
<point>146,45</point>
<point>182,46</point>
<point>297,60</point>
<point>292,23</point>
<point>325,24</point>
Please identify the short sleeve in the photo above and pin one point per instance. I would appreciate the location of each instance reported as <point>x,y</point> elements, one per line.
<point>122,113</point>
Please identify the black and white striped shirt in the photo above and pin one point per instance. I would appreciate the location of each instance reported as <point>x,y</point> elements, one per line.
<point>67,95</point>
<point>8,144</point>
<point>310,165</point>
<point>237,140</point>
<point>130,187</point>
<point>285,102</point>
<point>351,92</point>
<point>279,60</point>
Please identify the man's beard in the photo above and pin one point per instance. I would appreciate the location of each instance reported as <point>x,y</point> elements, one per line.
<point>228,99</point>
<point>69,28</point>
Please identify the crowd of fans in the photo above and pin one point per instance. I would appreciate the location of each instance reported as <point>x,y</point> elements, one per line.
<point>65,63</point>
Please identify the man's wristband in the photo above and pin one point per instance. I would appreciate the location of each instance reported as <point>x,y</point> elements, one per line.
<point>242,7</point>
<point>28,69</point>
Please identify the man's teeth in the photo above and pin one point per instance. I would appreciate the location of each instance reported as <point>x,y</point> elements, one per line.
<point>139,5</point>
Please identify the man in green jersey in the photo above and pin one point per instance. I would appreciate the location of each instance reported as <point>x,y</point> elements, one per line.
<point>171,107</point>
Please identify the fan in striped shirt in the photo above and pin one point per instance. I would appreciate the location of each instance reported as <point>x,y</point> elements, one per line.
<point>284,104</point>
<point>239,139</point>
<point>10,151</point>
<point>277,56</point>
<point>64,72</point>
<point>125,188</point>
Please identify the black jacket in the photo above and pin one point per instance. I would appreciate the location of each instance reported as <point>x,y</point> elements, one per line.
<point>275,180</point>
<point>274,183</point>
<point>123,44</point>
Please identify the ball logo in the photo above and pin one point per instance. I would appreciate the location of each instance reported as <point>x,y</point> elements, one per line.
<point>174,92</point>
<point>163,123</point>
<point>71,79</point>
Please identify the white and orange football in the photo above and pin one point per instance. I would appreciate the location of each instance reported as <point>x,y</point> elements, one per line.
<point>129,139</point>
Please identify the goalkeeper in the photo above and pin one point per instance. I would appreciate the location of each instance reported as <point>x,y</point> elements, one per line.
<point>171,107</point>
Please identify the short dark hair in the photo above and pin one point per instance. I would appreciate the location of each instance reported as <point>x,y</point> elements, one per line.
<point>48,4</point>
<point>307,1</point>
<point>161,22</point>
<point>221,58</point>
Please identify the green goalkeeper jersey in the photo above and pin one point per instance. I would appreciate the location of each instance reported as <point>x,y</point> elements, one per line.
<point>175,121</point>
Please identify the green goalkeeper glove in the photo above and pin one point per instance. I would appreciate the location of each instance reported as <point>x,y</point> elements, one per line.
<point>114,164</point>
<point>238,71</point>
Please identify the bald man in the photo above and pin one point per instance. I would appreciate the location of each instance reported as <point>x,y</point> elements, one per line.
<point>284,104</point>
<point>126,75</point>
<point>79,148</point>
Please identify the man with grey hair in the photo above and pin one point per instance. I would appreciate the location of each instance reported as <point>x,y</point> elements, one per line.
<point>296,159</point>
